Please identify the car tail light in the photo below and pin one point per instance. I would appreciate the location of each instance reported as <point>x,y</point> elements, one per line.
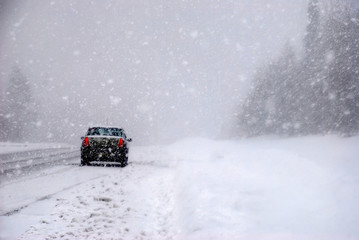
<point>121,143</point>
<point>86,142</point>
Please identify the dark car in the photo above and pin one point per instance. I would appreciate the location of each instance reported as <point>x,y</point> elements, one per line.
<point>105,144</point>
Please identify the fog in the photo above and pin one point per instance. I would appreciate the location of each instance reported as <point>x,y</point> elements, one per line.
<point>163,70</point>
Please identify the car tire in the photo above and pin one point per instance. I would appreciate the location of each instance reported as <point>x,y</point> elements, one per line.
<point>124,161</point>
<point>84,163</point>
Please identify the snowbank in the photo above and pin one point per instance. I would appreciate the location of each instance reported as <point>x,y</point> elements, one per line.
<point>304,188</point>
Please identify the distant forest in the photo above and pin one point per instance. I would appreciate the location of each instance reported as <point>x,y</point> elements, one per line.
<point>317,93</point>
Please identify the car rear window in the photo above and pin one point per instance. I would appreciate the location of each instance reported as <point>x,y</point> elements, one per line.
<point>101,131</point>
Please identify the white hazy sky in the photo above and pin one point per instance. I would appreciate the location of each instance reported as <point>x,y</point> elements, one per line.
<point>161,69</point>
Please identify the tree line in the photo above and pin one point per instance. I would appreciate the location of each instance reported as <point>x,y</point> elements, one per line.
<point>317,93</point>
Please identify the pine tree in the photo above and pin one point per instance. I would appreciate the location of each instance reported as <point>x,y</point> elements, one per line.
<point>268,108</point>
<point>312,27</point>
<point>18,111</point>
<point>341,41</point>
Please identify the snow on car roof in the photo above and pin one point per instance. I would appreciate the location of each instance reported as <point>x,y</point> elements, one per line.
<point>104,126</point>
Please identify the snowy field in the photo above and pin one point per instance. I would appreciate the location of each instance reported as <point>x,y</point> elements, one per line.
<point>263,188</point>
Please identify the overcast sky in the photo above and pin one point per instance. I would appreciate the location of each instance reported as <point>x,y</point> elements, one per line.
<point>161,69</point>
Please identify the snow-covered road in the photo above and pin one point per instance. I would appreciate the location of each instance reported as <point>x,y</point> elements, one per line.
<point>302,188</point>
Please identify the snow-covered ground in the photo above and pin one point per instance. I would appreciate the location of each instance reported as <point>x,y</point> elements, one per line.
<point>9,147</point>
<point>264,188</point>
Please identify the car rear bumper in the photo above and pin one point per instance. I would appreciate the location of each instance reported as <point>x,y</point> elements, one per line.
<point>105,155</point>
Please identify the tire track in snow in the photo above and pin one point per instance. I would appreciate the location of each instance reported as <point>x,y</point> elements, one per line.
<point>15,179</point>
<point>135,203</point>
<point>46,197</point>
<point>15,196</point>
